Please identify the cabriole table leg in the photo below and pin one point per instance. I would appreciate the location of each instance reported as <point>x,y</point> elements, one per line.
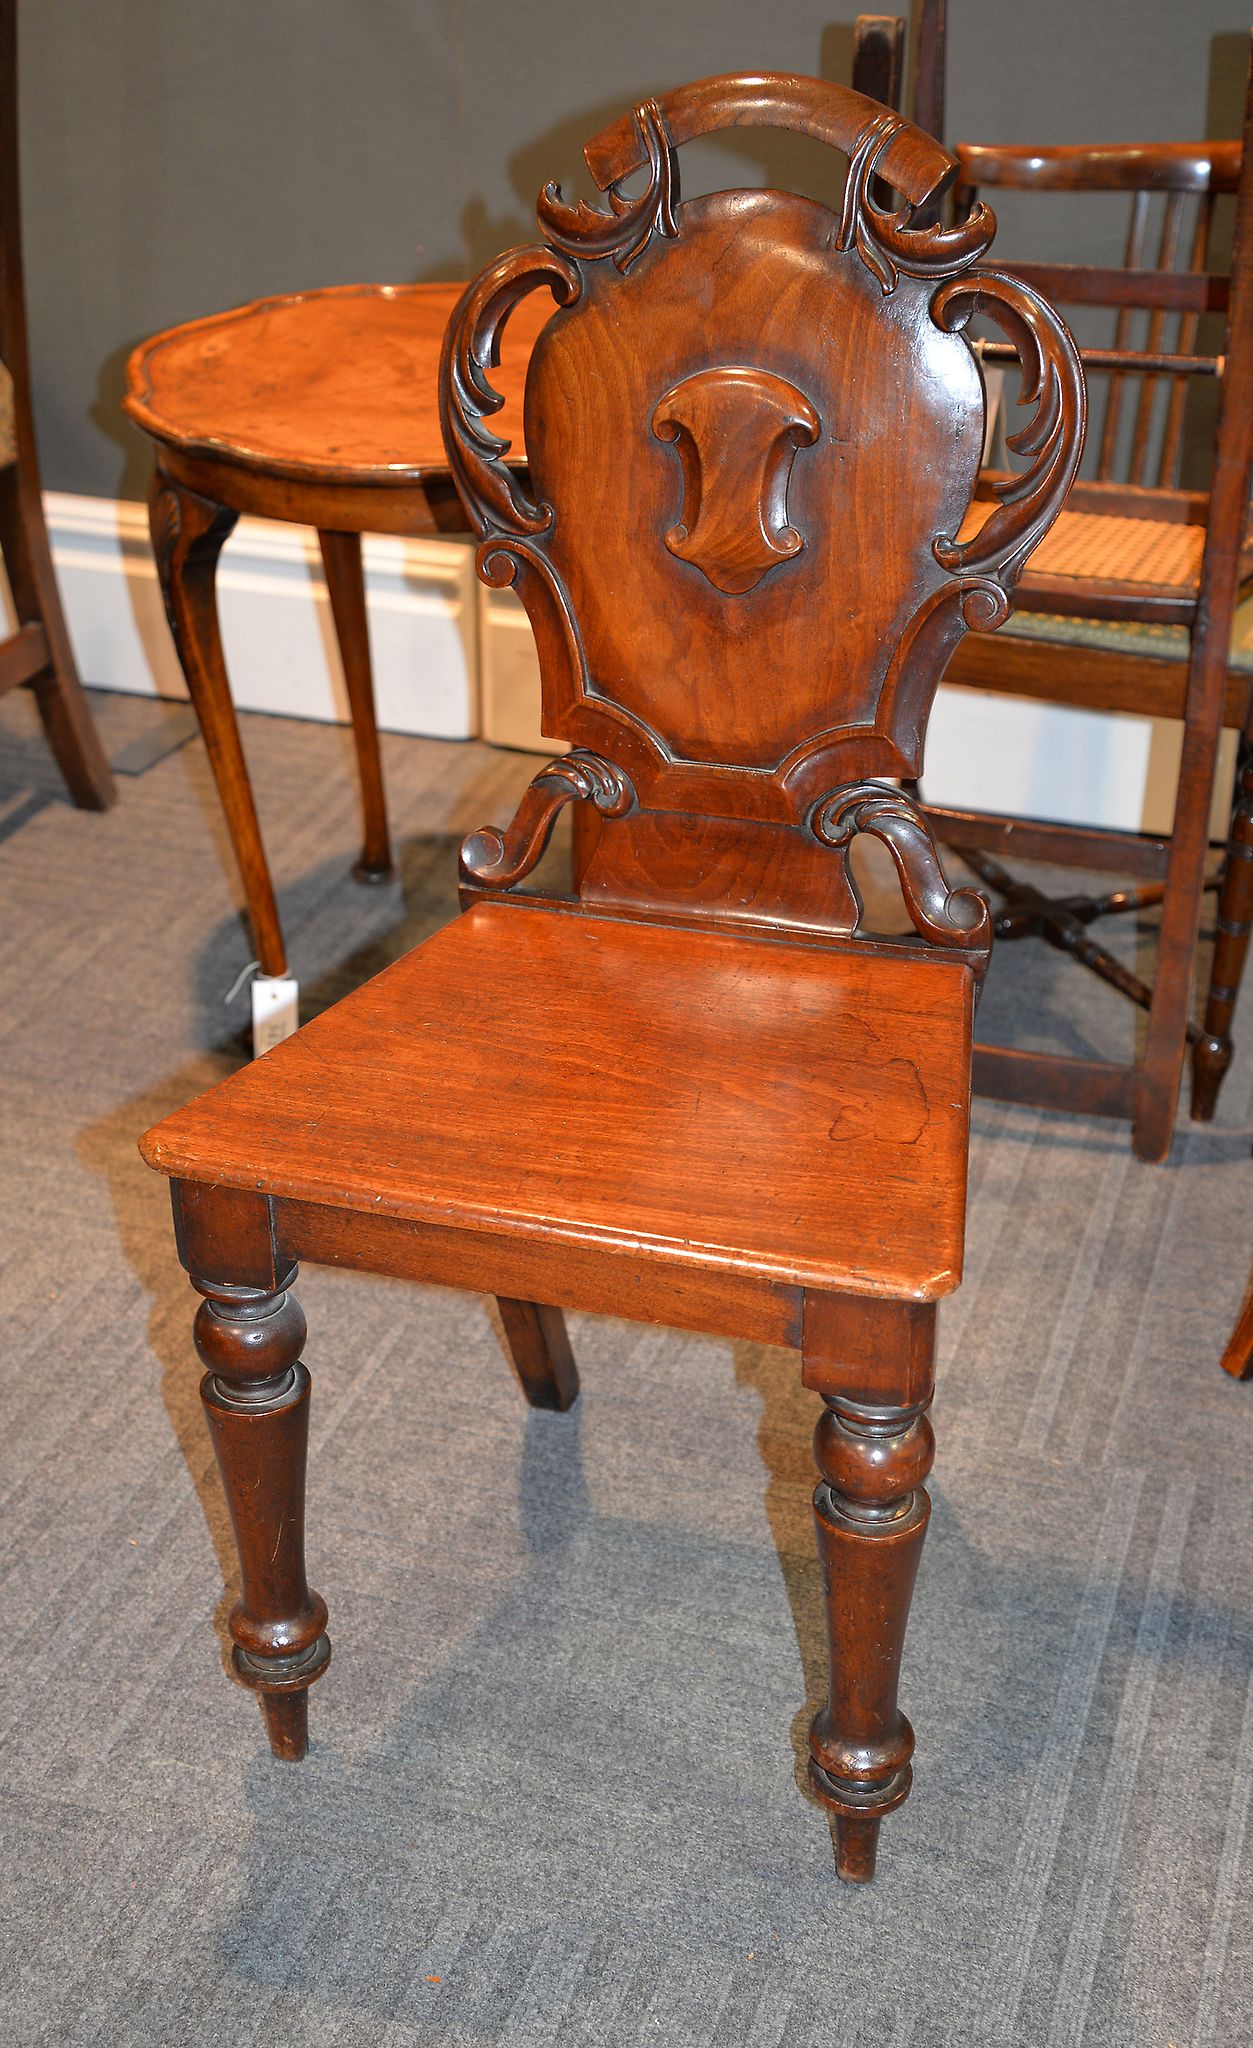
<point>188,534</point>
<point>345,581</point>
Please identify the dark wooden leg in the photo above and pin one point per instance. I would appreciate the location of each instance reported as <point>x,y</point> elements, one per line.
<point>1211,1056</point>
<point>188,533</point>
<point>345,580</point>
<point>256,1398</point>
<point>540,1349</point>
<point>62,706</point>
<point>1237,1359</point>
<point>870,1512</point>
<point>1166,1041</point>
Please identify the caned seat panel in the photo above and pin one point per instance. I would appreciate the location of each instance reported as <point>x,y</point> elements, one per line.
<point>1122,565</point>
<point>1101,545</point>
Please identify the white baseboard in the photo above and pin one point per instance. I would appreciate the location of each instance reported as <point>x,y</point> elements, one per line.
<point>277,631</point>
<point>984,753</point>
<point>432,641</point>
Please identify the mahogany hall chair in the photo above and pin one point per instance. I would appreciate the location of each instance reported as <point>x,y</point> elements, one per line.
<point>1129,607</point>
<point>38,653</point>
<point>694,1094</point>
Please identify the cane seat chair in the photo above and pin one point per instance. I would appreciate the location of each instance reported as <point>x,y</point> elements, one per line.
<point>695,1093</point>
<point>1128,605</point>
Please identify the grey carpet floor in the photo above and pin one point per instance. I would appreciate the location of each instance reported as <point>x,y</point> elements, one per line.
<point>553,1791</point>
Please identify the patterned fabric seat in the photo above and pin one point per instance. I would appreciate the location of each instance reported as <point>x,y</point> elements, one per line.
<point>1130,636</point>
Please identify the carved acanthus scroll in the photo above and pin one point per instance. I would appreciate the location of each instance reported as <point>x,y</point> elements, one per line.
<point>493,497</point>
<point>886,242</point>
<point>625,233</point>
<point>948,917</point>
<point>737,431</point>
<point>496,860</point>
<point>740,431</point>
<point>1053,384</point>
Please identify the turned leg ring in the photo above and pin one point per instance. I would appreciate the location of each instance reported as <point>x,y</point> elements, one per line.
<point>256,1400</point>
<point>871,1513</point>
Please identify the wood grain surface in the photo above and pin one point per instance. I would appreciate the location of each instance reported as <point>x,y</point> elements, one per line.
<point>689,1095</point>
<point>332,386</point>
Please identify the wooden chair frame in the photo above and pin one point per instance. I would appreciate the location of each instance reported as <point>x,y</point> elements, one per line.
<point>1201,690</point>
<point>694,1093</point>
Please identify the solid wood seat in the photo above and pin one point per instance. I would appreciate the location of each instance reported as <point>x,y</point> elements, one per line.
<point>753,1116</point>
<point>694,1092</point>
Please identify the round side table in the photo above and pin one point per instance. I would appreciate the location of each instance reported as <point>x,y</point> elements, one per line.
<point>319,408</point>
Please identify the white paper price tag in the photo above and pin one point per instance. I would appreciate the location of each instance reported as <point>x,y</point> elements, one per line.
<point>275,1011</point>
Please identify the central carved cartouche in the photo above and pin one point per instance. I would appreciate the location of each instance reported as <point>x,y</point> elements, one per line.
<point>737,431</point>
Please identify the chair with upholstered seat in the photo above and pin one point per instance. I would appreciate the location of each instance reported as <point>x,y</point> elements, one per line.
<point>695,1093</point>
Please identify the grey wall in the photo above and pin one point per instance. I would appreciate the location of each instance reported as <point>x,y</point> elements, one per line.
<point>184,155</point>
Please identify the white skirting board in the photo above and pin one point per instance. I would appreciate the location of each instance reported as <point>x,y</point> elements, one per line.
<point>277,630</point>
<point>449,664</point>
<point>984,753</point>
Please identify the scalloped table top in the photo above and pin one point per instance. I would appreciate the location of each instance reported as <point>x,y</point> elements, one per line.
<point>331,386</point>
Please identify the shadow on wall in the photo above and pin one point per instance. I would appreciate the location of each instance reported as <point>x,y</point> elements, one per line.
<point>763,157</point>
<point>751,157</point>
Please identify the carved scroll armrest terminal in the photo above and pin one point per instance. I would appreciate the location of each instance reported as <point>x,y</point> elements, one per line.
<point>957,918</point>
<point>491,859</point>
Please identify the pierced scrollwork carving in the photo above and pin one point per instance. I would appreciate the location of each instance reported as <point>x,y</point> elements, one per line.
<point>493,497</point>
<point>624,234</point>
<point>947,917</point>
<point>1053,384</point>
<point>886,242</point>
<point>492,859</point>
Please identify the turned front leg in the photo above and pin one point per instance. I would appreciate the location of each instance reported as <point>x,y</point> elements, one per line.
<point>871,1512</point>
<point>256,1398</point>
<point>873,1362</point>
